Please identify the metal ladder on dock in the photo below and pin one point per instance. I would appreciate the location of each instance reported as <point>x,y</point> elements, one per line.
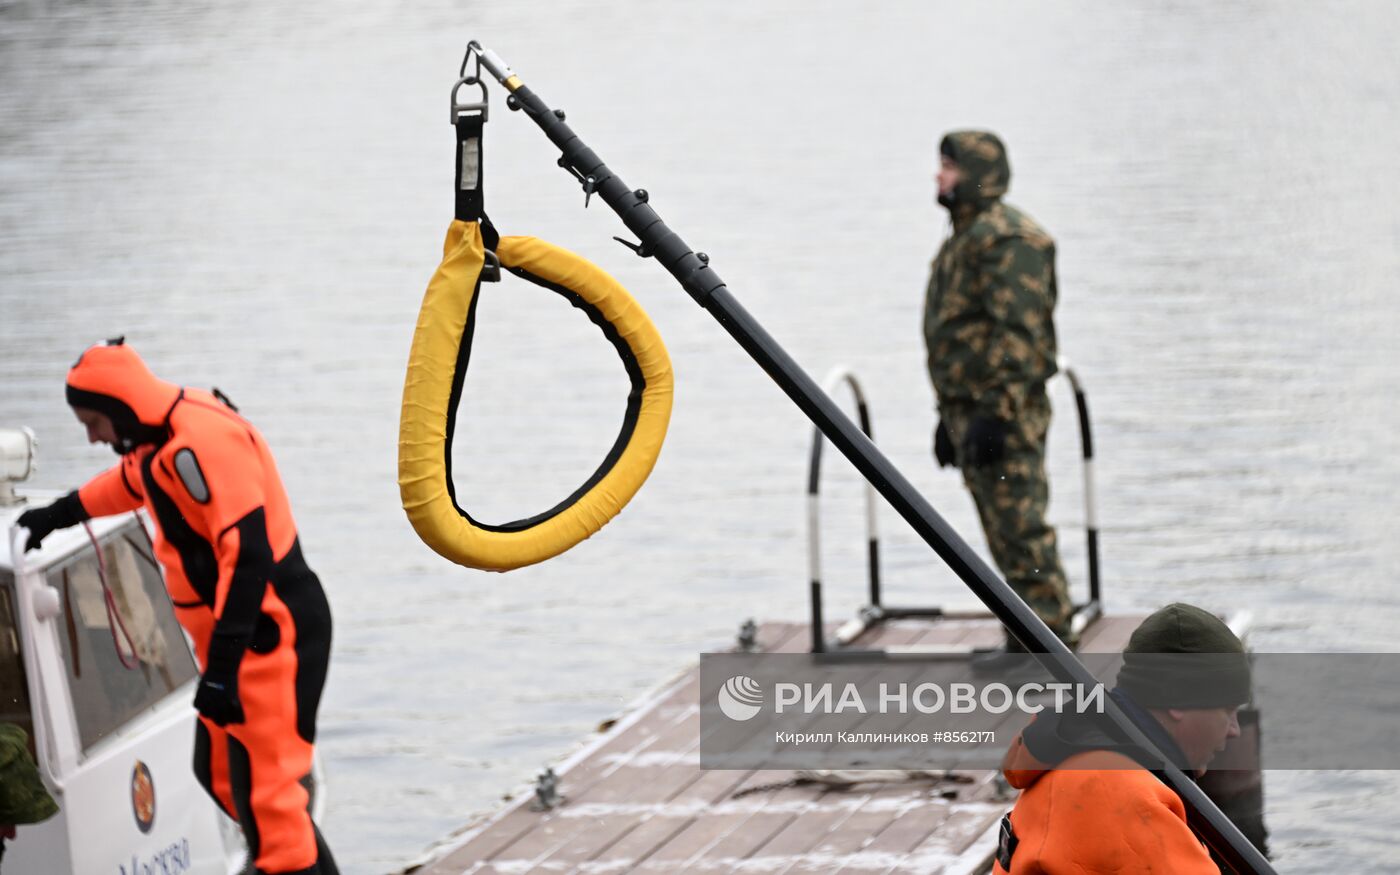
<point>876,611</point>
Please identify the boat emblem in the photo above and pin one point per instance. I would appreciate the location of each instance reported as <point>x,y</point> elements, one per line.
<point>143,796</point>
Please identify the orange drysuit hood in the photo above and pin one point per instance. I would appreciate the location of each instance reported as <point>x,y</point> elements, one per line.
<point>1051,738</point>
<point>111,379</point>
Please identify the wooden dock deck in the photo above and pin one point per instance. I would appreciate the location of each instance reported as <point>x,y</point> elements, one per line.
<point>636,800</point>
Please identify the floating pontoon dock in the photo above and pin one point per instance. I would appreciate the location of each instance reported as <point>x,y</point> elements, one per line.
<point>636,800</point>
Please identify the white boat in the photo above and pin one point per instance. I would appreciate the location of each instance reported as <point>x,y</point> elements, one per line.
<point>96,670</point>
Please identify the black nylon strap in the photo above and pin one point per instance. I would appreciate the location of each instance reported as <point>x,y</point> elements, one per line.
<point>470,196</point>
<point>490,237</point>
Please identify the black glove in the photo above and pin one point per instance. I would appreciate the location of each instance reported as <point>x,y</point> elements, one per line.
<point>985,442</point>
<point>217,695</point>
<point>943,450</point>
<point>41,521</point>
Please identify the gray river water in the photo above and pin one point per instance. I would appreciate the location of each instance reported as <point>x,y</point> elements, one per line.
<point>255,194</point>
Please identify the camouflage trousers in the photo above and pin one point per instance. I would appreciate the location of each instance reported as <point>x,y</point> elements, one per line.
<point>1011,496</point>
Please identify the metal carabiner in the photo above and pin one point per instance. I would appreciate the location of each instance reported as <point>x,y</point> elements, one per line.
<point>474,78</point>
<point>473,48</point>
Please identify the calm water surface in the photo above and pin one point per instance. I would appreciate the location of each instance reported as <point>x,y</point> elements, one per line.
<point>255,195</point>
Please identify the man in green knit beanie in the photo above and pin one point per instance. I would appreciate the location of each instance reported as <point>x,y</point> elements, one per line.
<point>1090,801</point>
<point>1191,673</point>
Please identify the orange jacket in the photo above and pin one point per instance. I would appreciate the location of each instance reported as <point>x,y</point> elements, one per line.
<point>224,524</point>
<point>1097,811</point>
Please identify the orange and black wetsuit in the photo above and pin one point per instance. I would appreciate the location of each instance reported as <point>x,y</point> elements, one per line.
<point>235,572</point>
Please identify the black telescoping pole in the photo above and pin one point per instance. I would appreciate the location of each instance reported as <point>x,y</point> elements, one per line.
<point>693,272</point>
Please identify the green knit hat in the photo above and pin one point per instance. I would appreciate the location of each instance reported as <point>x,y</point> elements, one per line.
<point>1185,657</point>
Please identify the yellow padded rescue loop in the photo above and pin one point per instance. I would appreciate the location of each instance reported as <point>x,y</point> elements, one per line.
<point>436,367</point>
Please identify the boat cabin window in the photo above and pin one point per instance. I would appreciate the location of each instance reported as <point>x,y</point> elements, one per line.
<point>14,690</point>
<point>122,647</point>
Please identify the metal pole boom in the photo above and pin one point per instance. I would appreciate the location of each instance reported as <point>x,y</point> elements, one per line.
<point>692,271</point>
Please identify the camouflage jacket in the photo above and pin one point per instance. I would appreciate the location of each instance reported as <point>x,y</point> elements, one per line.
<point>988,311</point>
<point>23,797</point>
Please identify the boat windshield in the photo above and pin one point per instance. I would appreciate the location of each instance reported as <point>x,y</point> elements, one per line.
<point>116,670</point>
<point>14,690</point>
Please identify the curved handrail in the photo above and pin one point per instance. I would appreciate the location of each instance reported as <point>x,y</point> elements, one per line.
<point>834,380</point>
<point>1086,453</point>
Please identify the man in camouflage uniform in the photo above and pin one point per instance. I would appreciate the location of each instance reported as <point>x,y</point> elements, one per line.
<point>991,347</point>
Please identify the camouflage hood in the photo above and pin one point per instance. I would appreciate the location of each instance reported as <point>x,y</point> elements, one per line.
<point>986,173</point>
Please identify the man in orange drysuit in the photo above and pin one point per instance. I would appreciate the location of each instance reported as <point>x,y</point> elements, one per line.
<point>233,565</point>
<point>1088,800</point>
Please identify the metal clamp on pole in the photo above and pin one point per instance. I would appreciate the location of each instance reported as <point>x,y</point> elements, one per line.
<point>493,64</point>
